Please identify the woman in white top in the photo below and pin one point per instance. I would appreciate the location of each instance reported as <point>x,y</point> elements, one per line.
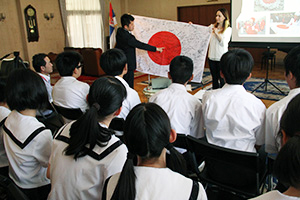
<point>148,136</point>
<point>85,152</point>
<point>218,45</point>
<point>286,166</point>
<point>26,140</point>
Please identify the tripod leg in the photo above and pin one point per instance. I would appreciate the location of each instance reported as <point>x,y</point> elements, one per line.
<point>260,85</point>
<point>276,87</point>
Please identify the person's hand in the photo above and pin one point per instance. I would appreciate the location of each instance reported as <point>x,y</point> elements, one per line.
<point>160,49</point>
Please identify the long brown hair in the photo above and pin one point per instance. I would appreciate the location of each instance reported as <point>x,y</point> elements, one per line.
<point>226,22</point>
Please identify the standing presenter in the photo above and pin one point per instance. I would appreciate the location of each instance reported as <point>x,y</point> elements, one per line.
<point>127,42</point>
<point>218,45</point>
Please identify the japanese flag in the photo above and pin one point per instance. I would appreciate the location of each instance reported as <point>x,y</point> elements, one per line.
<point>178,38</point>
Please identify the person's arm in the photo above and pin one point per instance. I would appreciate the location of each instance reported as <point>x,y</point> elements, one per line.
<point>140,45</point>
<point>224,37</point>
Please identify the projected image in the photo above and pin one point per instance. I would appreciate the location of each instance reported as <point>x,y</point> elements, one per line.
<point>285,23</point>
<point>271,5</point>
<point>251,26</point>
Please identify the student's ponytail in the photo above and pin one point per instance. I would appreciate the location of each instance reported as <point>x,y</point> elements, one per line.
<point>175,161</point>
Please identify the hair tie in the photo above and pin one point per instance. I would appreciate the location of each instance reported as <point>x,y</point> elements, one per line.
<point>130,156</point>
<point>96,105</point>
<point>169,146</point>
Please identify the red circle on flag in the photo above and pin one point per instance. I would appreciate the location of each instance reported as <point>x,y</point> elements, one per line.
<point>172,47</point>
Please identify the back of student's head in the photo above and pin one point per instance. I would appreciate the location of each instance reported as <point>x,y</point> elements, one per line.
<point>25,90</point>
<point>292,64</point>
<point>67,61</point>
<point>146,133</point>
<point>126,19</point>
<point>38,61</point>
<point>105,97</point>
<point>236,66</point>
<point>286,166</point>
<point>290,118</point>
<point>181,69</point>
<point>2,90</point>
<point>113,62</point>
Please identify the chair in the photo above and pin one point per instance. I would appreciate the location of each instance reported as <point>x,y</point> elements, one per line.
<point>9,190</point>
<point>237,172</point>
<point>91,58</point>
<point>266,57</point>
<point>68,113</point>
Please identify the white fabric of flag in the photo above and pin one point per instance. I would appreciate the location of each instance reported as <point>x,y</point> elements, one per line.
<point>194,40</point>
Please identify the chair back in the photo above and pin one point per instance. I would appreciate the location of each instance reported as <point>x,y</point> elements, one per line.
<point>69,113</point>
<point>9,190</point>
<point>181,141</point>
<point>91,59</point>
<point>230,170</point>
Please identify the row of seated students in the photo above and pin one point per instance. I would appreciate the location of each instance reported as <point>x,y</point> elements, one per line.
<point>82,145</point>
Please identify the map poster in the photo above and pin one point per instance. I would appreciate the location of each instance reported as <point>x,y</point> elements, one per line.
<point>178,38</point>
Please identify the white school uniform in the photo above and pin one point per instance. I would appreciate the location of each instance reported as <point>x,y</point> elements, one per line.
<point>27,166</point>
<point>68,92</point>
<point>234,118</point>
<point>273,116</point>
<point>131,100</point>
<point>82,178</point>
<point>4,112</point>
<point>158,183</point>
<point>183,109</point>
<point>275,195</point>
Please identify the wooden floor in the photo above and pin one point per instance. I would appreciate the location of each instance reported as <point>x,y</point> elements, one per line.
<point>257,72</point>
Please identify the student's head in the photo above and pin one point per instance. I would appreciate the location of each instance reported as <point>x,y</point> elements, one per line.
<point>222,16</point>
<point>127,22</point>
<point>68,63</point>
<point>2,90</point>
<point>236,66</point>
<point>289,122</point>
<point>286,166</point>
<point>25,90</point>
<point>181,69</point>
<point>42,64</point>
<point>147,135</point>
<point>292,67</point>
<point>105,100</point>
<point>113,62</point>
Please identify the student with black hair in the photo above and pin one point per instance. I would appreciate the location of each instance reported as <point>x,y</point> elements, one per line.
<point>68,92</point>
<point>114,63</point>
<point>183,109</point>
<point>27,142</point>
<point>85,152</point>
<point>286,166</point>
<point>128,43</point>
<point>43,66</point>
<point>274,112</point>
<point>233,117</point>
<point>148,136</point>
<point>4,112</point>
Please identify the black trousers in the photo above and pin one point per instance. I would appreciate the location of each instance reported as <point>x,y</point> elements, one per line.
<point>215,69</point>
<point>129,78</point>
<point>40,193</point>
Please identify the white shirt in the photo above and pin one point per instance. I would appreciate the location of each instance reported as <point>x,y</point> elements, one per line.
<point>68,92</point>
<point>183,109</point>
<point>275,195</point>
<point>4,112</point>
<point>158,183</point>
<point>82,178</point>
<point>234,118</point>
<point>27,166</point>
<point>273,116</point>
<point>218,48</point>
<point>131,100</point>
<point>47,81</point>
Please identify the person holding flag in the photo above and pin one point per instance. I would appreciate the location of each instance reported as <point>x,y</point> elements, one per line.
<point>127,42</point>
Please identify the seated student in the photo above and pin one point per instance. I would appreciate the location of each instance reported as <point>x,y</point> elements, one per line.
<point>27,143</point>
<point>85,152</point>
<point>4,112</point>
<point>43,66</point>
<point>114,63</point>
<point>274,112</point>
<point>233,117</point>
<point>286,166</point>
<point>148,135</point>
<point>183,109</point>
<point>68,92</point>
